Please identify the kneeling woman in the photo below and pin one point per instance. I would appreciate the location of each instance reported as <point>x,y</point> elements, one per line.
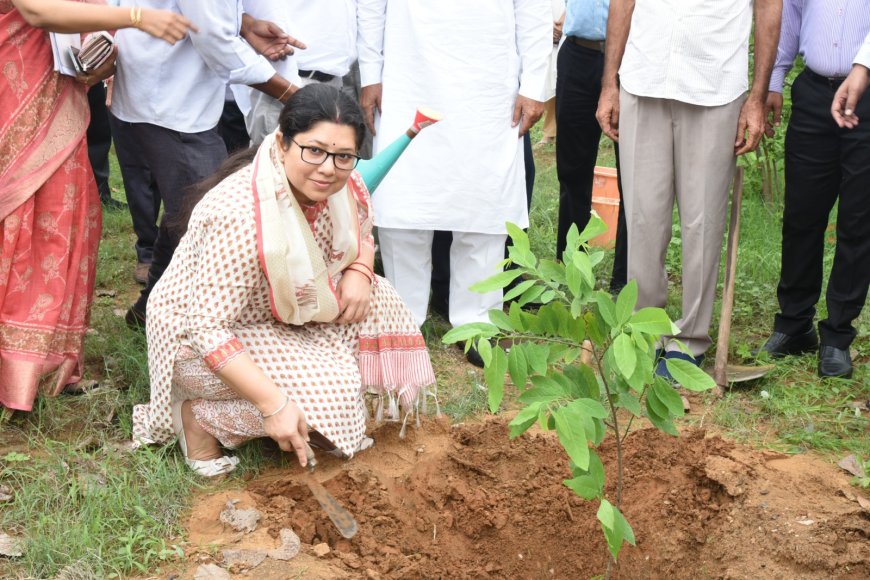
<point>269,322</point>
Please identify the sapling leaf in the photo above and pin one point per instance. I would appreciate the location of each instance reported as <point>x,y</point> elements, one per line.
<point>547,296</point>
<point>572,435</point>
<point>518,289</point>
<point>626,302</point>
<point>573,278</point>
<point>524,419</point>
<point>625,355</point>
<point>496,282</point>
<point>588,484</point>
<point>661,423</point>
<point>577,307</point>
<point>640,341</point>
<point>470,330</point>
<point>584,381</point>
<point>551,270</point>
<point>630,403</point>
<point>584,266</point>
<point>484,349</point>
<point>595,227</point>
<point>689,375</point>
<point>549,319</point>
<point>615,526</point>
<point>651,321</point>
<point>536,356</point>
<point>671,399</point>
<point>515,314</point>
<point>517,366</point>
<point>519,238</point>
<point>572,240</point>
<point>593,328</point>
<point>502,320</point>
<point>531,295</point>
<point>545,390</point>
<point>595,257</point>
<point>522,257</point>
<point>606,308</point>
<point>494,374</point>
<point>588,407</point>
<point>656,405</point>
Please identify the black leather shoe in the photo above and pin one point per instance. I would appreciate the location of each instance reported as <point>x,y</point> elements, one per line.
<point>835,362</point>
<point>135,319</point>
<point>780,344</point>
<point>472,355</point>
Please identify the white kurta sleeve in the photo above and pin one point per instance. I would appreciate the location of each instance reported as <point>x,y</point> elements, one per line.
<point>371,20</point>
<point>219,44</point>
<point>863,56</point>
<point>534,43</point>
<point>277,11</point>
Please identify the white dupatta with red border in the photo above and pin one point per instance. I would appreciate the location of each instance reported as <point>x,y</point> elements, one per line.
<point>300,281</point>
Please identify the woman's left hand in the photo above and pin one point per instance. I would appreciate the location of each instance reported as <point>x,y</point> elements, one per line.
<point>101,73</point>
<point>355,294</point>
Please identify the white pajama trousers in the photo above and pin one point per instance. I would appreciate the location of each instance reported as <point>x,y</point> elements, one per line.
<point>407,259</point>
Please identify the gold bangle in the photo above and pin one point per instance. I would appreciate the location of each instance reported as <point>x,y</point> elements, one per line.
<point>136,16</point>
<point>287,90</point>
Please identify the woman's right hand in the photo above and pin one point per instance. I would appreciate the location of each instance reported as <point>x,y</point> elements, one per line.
<point>166,25</point>
<point>289,430</point>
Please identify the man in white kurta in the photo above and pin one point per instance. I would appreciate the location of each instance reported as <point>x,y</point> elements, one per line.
<point>482,65</point>
<point>328,29</point>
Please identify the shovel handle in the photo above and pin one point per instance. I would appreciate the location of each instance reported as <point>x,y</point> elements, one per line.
<point>719,369</point>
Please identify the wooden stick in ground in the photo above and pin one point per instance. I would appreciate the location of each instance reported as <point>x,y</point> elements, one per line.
<point>719,370</point>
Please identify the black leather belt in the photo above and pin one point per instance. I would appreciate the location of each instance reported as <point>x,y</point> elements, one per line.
<point>590,44</point>
<point>316,75</point>
<point>832,82</point>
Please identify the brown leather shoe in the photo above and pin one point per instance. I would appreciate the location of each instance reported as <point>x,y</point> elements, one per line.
<point>140,274</point>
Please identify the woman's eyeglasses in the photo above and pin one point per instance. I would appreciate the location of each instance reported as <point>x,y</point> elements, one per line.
<point>318,156</point>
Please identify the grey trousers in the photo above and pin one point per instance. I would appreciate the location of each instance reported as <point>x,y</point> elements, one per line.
<point>670,150</point>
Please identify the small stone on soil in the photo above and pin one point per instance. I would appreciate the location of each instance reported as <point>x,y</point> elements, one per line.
<point>321,550</point>
<point>10,547</point>
<point>240,520</point>
<point>290,545</point>
<point>5,493</point>
<point>211,572</point>
<point>245,558</point>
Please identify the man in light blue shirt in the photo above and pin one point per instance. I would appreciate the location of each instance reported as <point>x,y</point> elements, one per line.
<point>168,101</point>
<point>579,67</point>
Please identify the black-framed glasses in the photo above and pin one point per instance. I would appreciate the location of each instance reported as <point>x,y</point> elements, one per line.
<point>318,156</point>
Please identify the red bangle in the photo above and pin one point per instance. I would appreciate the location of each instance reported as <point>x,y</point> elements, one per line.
<point>370,279</point>
<point>370,271</point>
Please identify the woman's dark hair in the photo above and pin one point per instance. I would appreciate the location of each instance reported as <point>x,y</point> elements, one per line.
<point>304,109</point>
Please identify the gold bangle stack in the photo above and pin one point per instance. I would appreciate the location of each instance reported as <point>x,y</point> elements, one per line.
<point>136,16</point>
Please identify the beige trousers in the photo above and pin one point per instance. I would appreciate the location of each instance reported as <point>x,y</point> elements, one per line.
<point>670,150</point>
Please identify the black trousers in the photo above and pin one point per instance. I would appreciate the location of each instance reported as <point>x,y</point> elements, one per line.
<point>824,163</point>
<point>441,240</point>
<point>178,161</point>
<point>140,187</point>
<point>232,129</point>
<point>99,139</point>
<point>578,86</point>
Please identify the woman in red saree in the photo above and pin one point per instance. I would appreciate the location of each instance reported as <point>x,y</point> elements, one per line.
<point>50,214</point>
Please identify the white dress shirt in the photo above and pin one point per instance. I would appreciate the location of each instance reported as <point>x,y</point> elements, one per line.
<point>863,56</point>
<point>693,51</point>
<point>182,86</point>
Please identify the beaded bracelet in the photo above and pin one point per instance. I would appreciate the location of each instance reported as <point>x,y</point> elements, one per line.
<point>279,409</point>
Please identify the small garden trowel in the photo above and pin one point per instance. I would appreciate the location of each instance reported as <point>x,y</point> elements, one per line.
<point>342,519</point>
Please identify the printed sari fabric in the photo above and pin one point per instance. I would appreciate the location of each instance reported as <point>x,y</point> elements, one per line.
<point>227,291</point>
<point>50,218</point>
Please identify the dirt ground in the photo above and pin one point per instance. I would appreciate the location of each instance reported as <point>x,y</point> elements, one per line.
<point>463,501</point>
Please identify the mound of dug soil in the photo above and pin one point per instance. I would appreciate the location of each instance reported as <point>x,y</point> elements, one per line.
<point>465,502</point>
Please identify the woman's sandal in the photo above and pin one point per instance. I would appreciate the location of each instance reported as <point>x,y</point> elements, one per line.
<point>205,468</point>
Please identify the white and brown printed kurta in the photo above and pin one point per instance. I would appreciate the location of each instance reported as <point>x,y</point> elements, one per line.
<point>213,302</point>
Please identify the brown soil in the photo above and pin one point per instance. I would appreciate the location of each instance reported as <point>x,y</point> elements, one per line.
<point>465,502</point>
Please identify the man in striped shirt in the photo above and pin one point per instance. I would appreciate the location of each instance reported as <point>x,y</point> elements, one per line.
<point>682,68</point>
<point>823,163</point>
